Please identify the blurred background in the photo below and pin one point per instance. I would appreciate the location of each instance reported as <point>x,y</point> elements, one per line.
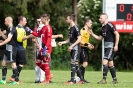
<point>58,10</point>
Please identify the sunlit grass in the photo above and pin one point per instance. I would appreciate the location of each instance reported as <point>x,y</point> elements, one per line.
<point>125,80</point>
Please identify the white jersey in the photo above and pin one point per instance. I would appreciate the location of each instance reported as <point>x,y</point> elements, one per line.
<point>39,39</point>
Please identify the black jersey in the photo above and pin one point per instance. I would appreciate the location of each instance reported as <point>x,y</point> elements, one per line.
<point>73,34</point>
<point>12,31</point>
<point>108,34</point>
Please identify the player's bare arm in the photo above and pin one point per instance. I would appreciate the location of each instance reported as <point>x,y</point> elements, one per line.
<point>77,42</point>
<point>95,36</point>
<point>57,36</point>
<point>27,37</point>
<point>34,39</point>
<point>6,41</point>
<point>116,40</point>
<point>90,46</point>
<point>2,34</point>
<point>64,42</point>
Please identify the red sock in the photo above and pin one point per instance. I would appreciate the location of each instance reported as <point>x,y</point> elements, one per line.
<point>45,67</point>
<point>47,72</point>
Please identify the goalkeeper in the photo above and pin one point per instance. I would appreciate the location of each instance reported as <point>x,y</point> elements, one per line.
<point>44,54</point>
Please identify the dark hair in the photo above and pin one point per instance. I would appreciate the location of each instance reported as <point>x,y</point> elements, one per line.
<point>72,16</point>
<point>20,18</point>
<point>38,17</point>
<point>87,20</point>
<point>47,16</point>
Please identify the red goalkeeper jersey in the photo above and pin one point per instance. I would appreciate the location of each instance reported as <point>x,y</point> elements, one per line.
<point>46,33</point>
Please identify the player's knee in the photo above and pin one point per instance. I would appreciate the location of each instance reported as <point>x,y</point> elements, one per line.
<point>3,63</point>
<point>85,64</point>
<point>105,65</point>
<point>111,64</point>
<point>111,67</point>
<point>13,65</point>
<point>105,61</point>
<point>21,65</point>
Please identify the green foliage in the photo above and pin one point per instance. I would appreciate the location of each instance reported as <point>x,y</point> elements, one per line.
<point>59,9</point>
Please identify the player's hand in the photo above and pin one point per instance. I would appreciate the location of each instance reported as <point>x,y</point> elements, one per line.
<point>37,46</point>
<point>60,43</point>
<point>70,48</point>
<point>27,29</point>
<point>90,46</point>
<point>115,48</point>
<point>60,36</point>
<point>47,55</point>
<point>90,31</point>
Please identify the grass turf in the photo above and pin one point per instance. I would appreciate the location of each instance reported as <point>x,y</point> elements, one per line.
<point>125,80</point>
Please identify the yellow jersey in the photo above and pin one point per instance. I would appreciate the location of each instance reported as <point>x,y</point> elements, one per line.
<point>85,36</point>
<point>20,34</point>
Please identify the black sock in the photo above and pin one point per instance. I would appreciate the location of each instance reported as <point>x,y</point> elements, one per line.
<point>79,74</point>
<point>73,71</point>
<point>113,72</point>
<point>82,69</point>
<point>19,68</point>
<point>15,74</point>
<point>4,72</point>
<point>105,71</point>
<point>76,69</point>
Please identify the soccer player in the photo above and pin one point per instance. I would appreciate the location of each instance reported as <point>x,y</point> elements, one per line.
<point>111,40</point>
<point>85,36</point>
<point>11,50</point>
<point>21,45</point>
<point>39,73</point>
<point>44,54</point>
<point>74,48</point>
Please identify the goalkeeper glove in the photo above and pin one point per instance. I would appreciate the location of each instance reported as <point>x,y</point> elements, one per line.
<point>27,29</point>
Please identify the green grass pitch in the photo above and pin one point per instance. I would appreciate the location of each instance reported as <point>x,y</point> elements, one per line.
<point>125,80</point>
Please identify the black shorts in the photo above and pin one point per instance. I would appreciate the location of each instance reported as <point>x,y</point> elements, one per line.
<point>75,54</point>
<point>109,53</point>
<point>21,57</point>
<point>84,55</point>
<point>10,56</point>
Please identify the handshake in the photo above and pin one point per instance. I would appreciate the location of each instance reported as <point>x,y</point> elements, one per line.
<point>27,29</point>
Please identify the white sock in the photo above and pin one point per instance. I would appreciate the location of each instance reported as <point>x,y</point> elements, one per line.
<point>37,73</point>
<point>42,75</point>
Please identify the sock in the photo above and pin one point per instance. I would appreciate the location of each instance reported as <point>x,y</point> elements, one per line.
<point>73,71</point>
<point>76,69</point>
<point>37,73</point>
<point>19,69</point>
<point>113,72</point>
<point>82,69</point>
<point>15,74</point>
<point>105,71</point>
<point>42,74</point>
<point>45,67</point>
<point>79,72</point>
<point>4,72</point>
